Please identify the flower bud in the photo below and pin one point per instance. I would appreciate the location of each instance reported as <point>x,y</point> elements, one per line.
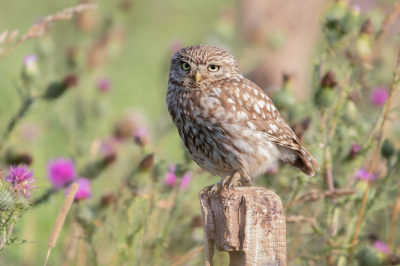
<point>141,137</point>
<point>15,158</point>
<point>147,163</point>
<point>284,98</point>
<point>108,199</point>
<point>354,150</point>
<point>56,89</point>
<point>325,95</point>
<point>364,48</point>
<point>387,149</point>
<point>369,256</point>
<point>30,70</point>
<point>350,22</point>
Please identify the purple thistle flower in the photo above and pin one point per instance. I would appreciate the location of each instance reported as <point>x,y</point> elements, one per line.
<point>185,180</point>
<point>379,95</point>
<point>172,168</point>
<point>84,190</point>
<point>21,180</point>
<point>104,84</point>
<point>141,136</point>
<point>170,180</point>
<point>381,246</point>
<point>364,175</point>
<point>355,150</point>
<point>30,61</point>
<point>61,171</point>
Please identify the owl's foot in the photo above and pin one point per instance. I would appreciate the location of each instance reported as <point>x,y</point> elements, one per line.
<point>234,180</point>
<point>247,179</point>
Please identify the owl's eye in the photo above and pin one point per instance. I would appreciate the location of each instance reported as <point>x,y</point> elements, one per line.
<point>185,66</point>
<point>213,68</point>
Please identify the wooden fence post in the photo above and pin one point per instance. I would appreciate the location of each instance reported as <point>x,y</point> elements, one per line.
<point>247,222</point>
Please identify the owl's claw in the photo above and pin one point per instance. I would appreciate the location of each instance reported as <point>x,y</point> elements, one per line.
<point>229,181</point>
<point>247,178</point>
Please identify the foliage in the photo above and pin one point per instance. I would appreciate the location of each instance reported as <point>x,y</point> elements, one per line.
<point>138,200</point>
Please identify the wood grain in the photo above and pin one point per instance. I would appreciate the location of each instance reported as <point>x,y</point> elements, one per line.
<point>246,222</point>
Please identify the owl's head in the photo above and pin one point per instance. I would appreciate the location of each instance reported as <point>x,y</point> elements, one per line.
<point>200,66</point>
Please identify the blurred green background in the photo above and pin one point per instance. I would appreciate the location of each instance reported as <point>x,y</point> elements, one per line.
<point>144,221</point>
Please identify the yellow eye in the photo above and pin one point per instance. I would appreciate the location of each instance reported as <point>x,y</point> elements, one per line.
<point>213,68</point>
<point>185,66</point>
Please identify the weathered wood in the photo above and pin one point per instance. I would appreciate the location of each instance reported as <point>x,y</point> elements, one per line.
<point>246,222</point>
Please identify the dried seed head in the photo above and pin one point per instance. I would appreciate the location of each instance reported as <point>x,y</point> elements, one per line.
<point>148,162</point>
<point>71,81</point>
<point>12,36</point>
<point>329,80</point>
<point>107,199</point>
<point>3,36</point>
<point>367,28</point>
<point>62,214</point>
<point>14,158</point>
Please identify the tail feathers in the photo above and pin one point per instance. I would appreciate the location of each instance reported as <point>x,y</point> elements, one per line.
<point>300,159</point>
<point>303,164</point>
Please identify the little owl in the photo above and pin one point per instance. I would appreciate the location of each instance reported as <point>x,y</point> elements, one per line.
<point>229,126</point>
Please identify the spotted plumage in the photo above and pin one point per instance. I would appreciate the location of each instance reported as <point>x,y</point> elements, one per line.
<point>229,126</point>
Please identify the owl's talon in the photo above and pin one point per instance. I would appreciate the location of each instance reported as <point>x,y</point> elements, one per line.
<point>225,179</point>
<point>215,188</point>
<point>247,178</point>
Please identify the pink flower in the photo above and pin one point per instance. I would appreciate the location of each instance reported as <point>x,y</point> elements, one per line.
<point>273,170</point>
<point>364,175</point>
<point>84,190</point>
<point>170,180</point>
<point>381,246</point>
<point>141,136</point>
<point>61,172</point>
<point>21,180</point>
<point>355,150</point>
<point>30,61</point>
<point>185,180</point>
<point>379,95</point>
<point>104,84</point>
<point>172,167</point>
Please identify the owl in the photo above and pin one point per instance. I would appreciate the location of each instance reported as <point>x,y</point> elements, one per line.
<point>229,126</point>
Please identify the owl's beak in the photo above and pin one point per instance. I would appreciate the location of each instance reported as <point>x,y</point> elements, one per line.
<point>197,77</point>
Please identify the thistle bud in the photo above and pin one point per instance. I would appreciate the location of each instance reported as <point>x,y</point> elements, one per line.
<point>56,89</point>
<point>368,256</point>
<point>387,149</point>
<point>367,28</point>
<point>364,40</point>
<point>350,111</point>
<point>16,158</point>
<point>141,137</point>
<point>108,199</point>
<point>333,18</point>
<point>74,57</point>
<point>350,22</point>
<point>354,150</point>
<point>325,95</point>
<point>285,97</point>
<point>30,69</point>
<point>147,163</point>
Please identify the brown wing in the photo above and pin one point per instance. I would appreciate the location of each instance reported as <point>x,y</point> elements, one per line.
<point>262,115</point>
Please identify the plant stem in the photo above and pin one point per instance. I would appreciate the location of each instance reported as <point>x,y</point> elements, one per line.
<point>371,170</point>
